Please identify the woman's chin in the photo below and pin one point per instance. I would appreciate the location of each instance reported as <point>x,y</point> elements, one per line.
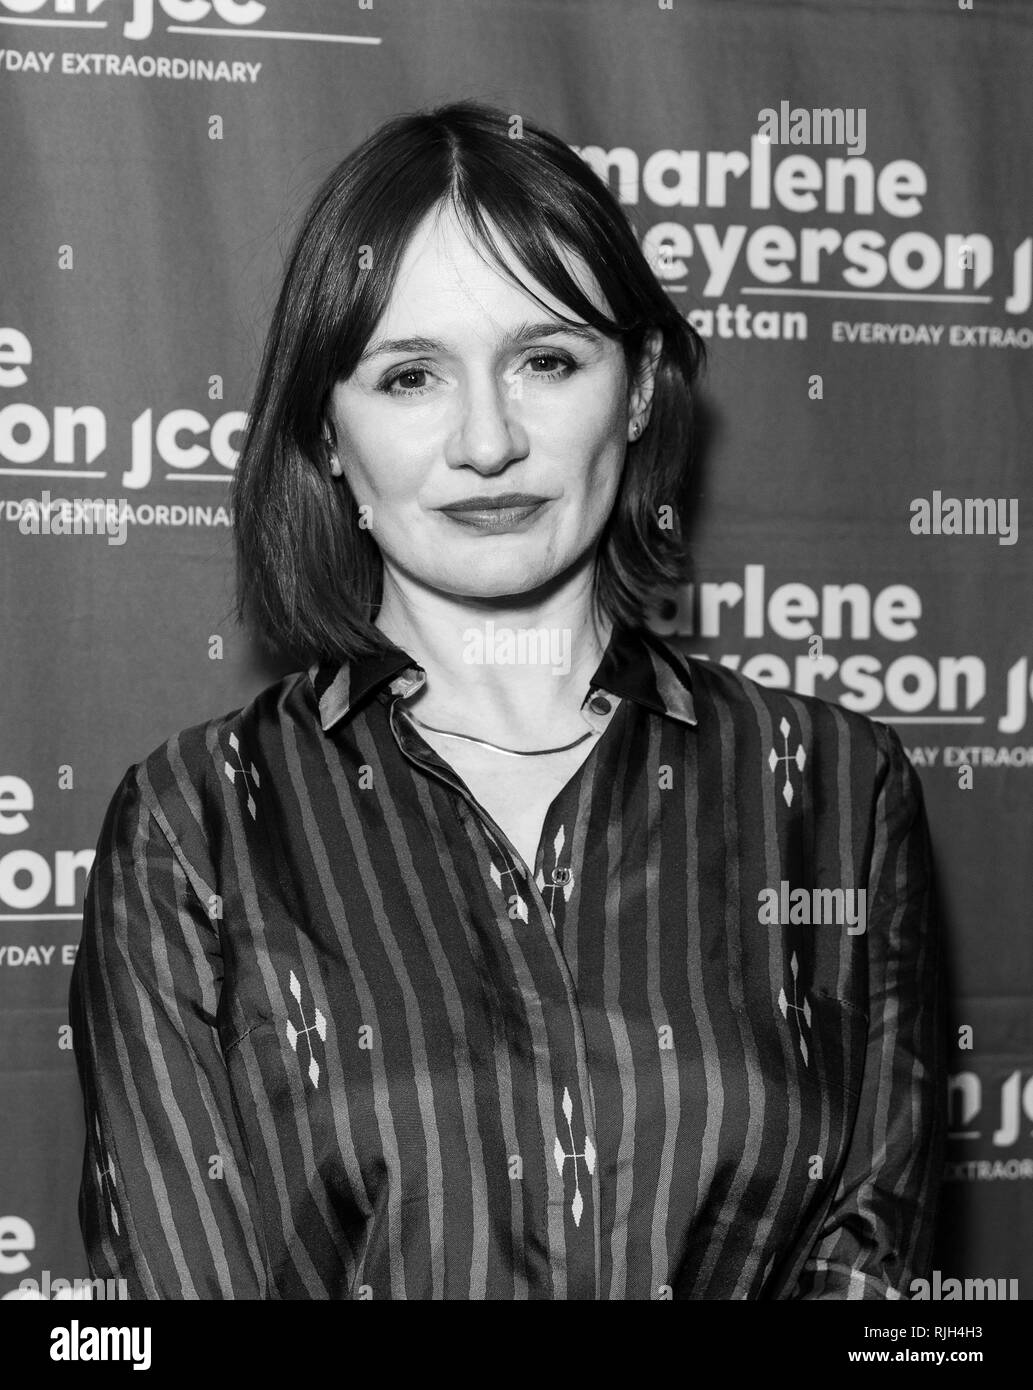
<point>481,585</point>
<point>491,576</point>
<point>477,589</point>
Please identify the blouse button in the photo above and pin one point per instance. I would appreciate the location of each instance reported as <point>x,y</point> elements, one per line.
<point>562,876</point>
<point>599,704</point>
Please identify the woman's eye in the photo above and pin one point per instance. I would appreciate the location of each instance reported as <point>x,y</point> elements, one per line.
<point>412,381</point>
<point>549,357</point>
<point>405,379</point>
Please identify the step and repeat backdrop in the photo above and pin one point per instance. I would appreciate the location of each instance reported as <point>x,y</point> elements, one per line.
<point>838,195</point>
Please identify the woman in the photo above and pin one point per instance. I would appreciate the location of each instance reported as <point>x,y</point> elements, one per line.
<point>442,969</point>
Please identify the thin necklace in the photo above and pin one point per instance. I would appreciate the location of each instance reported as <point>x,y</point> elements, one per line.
<point>497,748</point>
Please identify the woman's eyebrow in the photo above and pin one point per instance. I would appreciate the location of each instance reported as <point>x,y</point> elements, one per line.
<point>525,332</point>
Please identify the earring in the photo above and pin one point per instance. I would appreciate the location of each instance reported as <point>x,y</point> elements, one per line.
<point>332,452</point>
<point>636,429</point>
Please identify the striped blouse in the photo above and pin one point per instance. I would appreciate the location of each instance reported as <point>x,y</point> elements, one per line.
<point>337,1040</point>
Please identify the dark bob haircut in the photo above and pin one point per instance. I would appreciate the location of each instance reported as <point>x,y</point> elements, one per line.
<point>308,576</point>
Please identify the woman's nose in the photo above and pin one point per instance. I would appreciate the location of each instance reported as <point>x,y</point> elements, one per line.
<point>487,436</point>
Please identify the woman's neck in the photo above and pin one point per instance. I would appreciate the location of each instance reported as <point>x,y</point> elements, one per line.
<point>515,674</point>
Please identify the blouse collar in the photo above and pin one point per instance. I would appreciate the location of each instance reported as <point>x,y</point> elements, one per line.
<point>636,665</point>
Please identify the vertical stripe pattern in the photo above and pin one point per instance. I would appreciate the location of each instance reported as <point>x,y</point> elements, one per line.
<point>337,1040</point>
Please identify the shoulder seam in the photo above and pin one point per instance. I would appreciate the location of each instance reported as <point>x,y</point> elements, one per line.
<point>201,889</point>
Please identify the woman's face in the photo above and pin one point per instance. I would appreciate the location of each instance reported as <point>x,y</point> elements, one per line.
<point>484,437</point>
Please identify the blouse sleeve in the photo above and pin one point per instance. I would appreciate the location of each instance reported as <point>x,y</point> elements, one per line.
<point>167,1201</point>
<point>877,1236</point>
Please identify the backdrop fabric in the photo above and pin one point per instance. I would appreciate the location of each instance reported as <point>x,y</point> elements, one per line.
<point>838,196</point>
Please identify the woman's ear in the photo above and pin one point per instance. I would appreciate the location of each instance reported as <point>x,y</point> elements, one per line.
<point>640,391</point>
<point>330,443</point>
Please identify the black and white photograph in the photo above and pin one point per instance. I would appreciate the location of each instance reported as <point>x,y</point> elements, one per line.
<point>516,757</point>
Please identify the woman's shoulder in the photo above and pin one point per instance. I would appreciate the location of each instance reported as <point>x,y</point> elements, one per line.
<point>178,780</point>
<point>820,727</point>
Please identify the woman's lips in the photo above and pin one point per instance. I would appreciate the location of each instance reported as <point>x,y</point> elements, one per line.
<point>506,518</point>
